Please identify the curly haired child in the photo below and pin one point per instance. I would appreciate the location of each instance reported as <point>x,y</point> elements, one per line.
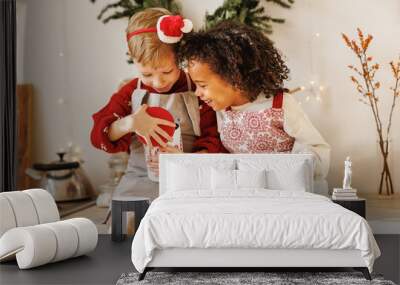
<point>239,73</point>
<point>152,37</point>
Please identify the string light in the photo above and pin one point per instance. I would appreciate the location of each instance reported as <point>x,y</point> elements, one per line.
<point>314,89</point>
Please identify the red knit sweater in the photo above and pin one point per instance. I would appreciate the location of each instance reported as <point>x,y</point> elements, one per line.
<point>120,106</point>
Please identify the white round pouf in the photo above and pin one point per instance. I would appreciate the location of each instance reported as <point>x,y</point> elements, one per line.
<point>34,246</point>
<point>67,240</point>
<point>23,208</point>
<point>87,234</point>
<point>45,205</point>
<point>40,244</point>
<point>7,218</point>
<point>31,232</point>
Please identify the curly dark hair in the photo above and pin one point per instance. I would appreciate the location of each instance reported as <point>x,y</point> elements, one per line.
<point>239,54</point>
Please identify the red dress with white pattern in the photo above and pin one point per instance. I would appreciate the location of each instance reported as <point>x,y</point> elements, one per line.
<point>256,131</point>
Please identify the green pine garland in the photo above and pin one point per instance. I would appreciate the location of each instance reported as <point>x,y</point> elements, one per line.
<point>243,11</point>
<point>127,8</point>
<point>247,12</point>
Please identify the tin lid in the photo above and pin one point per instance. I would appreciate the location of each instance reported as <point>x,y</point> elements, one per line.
<point>61,164</point>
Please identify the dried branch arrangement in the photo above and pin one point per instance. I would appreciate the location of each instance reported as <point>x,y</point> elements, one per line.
<point>367,86</point>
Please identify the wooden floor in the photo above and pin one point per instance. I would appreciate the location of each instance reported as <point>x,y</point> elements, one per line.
<point>96,215</point>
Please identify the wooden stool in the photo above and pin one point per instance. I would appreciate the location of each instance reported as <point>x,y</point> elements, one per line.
<point>121,204</point>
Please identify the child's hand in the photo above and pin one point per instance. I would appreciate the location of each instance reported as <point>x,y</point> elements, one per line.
<point>170,149</point>
<point>147,126</point>
<point>152,161</point>
<point>153,167</point>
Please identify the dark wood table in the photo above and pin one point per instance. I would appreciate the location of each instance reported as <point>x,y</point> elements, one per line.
<point>357,205</point>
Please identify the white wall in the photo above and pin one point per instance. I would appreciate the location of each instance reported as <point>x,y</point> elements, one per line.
<point>75,63</point>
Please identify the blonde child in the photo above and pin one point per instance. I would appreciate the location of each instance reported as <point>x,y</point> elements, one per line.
<point>152,36</point>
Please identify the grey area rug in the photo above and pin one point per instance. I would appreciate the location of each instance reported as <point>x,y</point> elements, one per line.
<point>243,278</point>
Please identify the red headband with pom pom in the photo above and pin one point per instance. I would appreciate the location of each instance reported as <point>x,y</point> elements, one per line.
<point>169,29</point>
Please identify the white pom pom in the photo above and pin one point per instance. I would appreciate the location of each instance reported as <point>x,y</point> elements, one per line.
<point>187,26</point>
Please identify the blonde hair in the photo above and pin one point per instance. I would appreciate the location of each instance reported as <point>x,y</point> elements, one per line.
<point>147,48</point>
